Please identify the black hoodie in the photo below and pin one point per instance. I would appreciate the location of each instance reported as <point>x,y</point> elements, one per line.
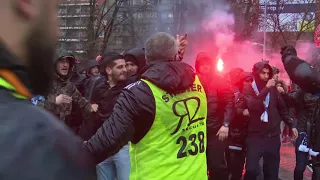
<point>220,98</point>
<point>134,113</point>
<point>277,109</point>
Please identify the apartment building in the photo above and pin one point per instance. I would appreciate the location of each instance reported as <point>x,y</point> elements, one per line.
<point>74,17</point>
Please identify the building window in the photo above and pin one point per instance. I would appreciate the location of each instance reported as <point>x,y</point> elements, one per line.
<point>79,46</point>
<point>63,22</point>
<point>83,34</point>
<point>85,9</point>
<point>62,11</point>
<point>78,10</point>
<point>77,22</point>
<point>62,34</point>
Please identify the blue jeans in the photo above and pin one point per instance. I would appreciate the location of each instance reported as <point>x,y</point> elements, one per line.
<point>302,159</point>
<point>116,166</point>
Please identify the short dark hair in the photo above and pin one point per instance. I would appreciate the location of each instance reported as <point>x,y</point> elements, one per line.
<point>108,61</point>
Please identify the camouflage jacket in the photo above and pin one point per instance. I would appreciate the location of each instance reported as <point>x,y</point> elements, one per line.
<point>69,89</point>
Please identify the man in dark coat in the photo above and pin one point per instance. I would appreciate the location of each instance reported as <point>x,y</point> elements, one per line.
<point>266,109</point>
<point>220,98</point>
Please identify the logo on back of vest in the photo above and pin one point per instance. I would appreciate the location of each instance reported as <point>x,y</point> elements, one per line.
<point>187,110</point>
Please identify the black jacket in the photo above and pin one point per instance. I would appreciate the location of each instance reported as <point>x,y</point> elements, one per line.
<point>300,71</point>
<point>277,109</point>
<point>220,97</point>
<point>239,126</point>
<point>134,112</point>
<point>34,145</point>
<point>303,105</point>
<point>307,78</point>
<point>98,91</point>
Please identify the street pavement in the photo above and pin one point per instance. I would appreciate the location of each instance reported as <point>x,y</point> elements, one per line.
<point>287,163</point>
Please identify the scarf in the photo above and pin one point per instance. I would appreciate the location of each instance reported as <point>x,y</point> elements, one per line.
<point>303,147</point>
<point>264,116</point>
<point>37,99</point>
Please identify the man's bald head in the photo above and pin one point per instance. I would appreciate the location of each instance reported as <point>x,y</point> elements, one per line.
<point>161,46</point>
<point>29,30</point>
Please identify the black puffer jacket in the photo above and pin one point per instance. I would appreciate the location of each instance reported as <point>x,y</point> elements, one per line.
<point>220,97</point>
<point>34,145</point>
<point>134,113</point>
<point>299,71</point>
<point>277,109</point>
<point>304,105</point>
<point>307,78</point>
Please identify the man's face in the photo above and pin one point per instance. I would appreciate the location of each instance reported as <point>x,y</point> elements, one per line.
<point>131,68</point>
<point>118,72</point>
<point>63,66</point>
<point>41,44</point>
<point>276,76</point>
<point>264,74</point>
<point>94,71</point>
<point>205,69</point>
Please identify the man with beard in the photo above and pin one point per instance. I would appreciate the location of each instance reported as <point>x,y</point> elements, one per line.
<point>220,113</point>
<point>63,93</point>
<point>34,145</point>
<point>104,90</point>
<point>118,165</point>
<point>266,109</point>
<point>153,114</point>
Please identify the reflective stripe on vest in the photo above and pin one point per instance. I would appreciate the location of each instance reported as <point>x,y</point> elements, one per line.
<point>8,86</point>
<point>175,146</point>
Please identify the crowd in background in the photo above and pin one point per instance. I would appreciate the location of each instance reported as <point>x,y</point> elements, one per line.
<point>249,113</point>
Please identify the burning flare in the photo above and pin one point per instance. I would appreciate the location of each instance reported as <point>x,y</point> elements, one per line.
<point>220,65</point>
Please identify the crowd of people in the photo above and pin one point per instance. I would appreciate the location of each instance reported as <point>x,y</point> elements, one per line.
<point>144,113</point>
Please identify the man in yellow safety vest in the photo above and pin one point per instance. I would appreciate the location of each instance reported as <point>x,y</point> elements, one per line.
<point>163,115</point>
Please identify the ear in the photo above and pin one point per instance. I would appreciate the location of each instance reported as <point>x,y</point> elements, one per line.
<point>108,70</point>
<point>26,8</point>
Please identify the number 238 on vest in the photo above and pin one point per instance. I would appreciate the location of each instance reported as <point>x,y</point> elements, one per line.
<point>175,146</point>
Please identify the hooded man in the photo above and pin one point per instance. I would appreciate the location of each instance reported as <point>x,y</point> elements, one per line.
<point>308,79</point>
<point>236,153</point>
<point>33,143</point>
<point>135,60</point>
<point>63,93</point>
<point>92,68</point>
<point>265,108</point>
<point>163,115</point>
<point>220,113</point>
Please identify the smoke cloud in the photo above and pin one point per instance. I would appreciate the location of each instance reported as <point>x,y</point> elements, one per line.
<point>214,34</point>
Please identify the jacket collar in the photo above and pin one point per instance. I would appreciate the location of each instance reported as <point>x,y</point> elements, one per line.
<point>16,73</point>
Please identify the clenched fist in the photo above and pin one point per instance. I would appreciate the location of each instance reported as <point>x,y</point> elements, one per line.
<point>271,83</point>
